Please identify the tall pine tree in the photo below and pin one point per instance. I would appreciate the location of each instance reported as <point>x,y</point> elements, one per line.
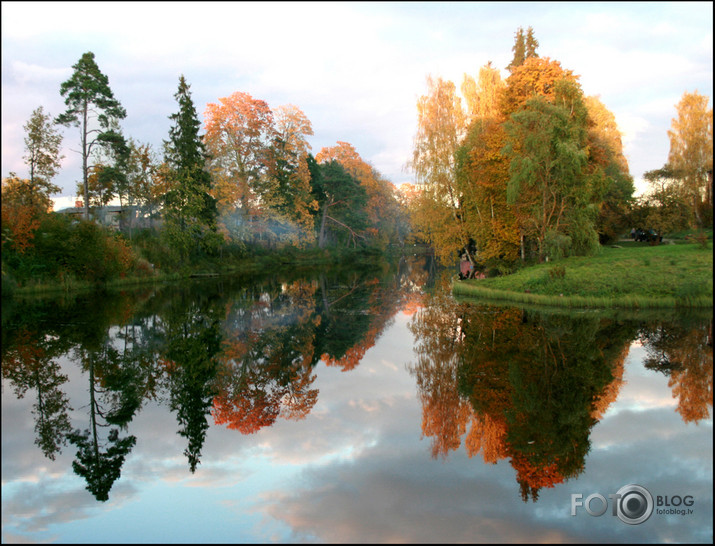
<point>91,106</point>
<point>190,210</point>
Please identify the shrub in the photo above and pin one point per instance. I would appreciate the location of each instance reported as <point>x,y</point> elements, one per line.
<point>556,245</point>
<point>699,238</point>
<point>557,272</point>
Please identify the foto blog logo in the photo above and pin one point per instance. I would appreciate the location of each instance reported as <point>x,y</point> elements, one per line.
<point>632,504</point>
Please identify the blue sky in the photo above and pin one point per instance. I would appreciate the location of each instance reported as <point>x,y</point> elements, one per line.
<point>355,69</point>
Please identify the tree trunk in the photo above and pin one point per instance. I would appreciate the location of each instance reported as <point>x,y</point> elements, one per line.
<point>84,162</point>
<point>321,235</point>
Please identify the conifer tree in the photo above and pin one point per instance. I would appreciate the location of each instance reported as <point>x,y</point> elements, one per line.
<point>531,44</point>
<point>190,209</point>
<point>91,106</point>
<point>524,48</point>
<point>519,50</point>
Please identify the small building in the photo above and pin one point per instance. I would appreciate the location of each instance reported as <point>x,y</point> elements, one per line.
<point>113,216</point>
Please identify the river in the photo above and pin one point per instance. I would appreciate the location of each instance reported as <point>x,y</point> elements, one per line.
<point>356,405</point>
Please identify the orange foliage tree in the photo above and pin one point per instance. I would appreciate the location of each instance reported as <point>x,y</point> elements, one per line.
<point>289,190</point>
<point>22,209</point>
<point>239,133</point>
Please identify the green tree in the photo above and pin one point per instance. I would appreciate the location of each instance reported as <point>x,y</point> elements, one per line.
<point>667,207</point>
<point>524,47</point>
<point>100,462</point>
<point>341,201</point>
<point>191,211</point>
<point>519,49</point>
<point>546,146</point>
<point>91,106</point>
<point>43,159</point>
<point>530,44</point>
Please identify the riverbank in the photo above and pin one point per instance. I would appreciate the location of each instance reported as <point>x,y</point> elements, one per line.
<point>661,276</point>
<point>258,264</point>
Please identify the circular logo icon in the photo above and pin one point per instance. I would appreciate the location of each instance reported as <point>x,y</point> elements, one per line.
<point>634,504</point>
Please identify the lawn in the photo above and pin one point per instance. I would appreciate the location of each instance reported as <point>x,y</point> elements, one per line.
<point>667,275</point>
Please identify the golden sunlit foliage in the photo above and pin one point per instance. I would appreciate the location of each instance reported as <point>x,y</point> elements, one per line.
<point>531,170</point>
<point>691,153</point>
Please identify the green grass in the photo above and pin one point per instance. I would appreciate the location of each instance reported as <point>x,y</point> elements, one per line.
<point>631,277</point>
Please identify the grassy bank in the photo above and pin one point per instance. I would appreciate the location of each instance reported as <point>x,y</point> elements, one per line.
<point>258,263</point>
<point>630,277</point>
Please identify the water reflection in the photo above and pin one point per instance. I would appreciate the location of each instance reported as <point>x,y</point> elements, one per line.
<point>513,384</point>
<point>528,386</point>
<point>238,352</point>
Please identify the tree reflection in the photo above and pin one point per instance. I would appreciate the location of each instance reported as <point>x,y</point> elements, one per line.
<point>28,363</point>
<point>99,461</point>
<point>192,340</point>
<point>529,385</point>
<point>244,350</point>
<point>683,351</point>
<point>266,359</point>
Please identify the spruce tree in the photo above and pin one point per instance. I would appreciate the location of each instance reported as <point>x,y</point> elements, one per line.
<point>531,44</point>
<point>190,209</point>
<point>524,48</point>
<point>519,50</point>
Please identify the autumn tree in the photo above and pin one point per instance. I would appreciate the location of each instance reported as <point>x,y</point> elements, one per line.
<point>608,169</point>
<point>91,106</point>
<point>20,214</point>
<point>289,191</point>
<point>536,76</point>
<point>482,170</point>
<point>25,201</point>
<point>142,188</point>
<point>239,133</point>
<point>531,168</point>
<point>190,209</point>
<point>484,95</point>
<point>439,214</point>
<point>691,153</point>
<point>28,363</point>
<point>266,362</point>
<point>445,414</point>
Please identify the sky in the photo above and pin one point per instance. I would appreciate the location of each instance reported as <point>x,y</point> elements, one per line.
<point>356,69</point>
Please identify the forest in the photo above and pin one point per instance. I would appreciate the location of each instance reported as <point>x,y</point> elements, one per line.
<point>513,172</point>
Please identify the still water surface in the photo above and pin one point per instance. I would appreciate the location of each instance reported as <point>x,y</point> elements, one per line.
<point>349,407</point>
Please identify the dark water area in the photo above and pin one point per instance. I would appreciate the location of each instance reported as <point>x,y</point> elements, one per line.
<point>361,405</point>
